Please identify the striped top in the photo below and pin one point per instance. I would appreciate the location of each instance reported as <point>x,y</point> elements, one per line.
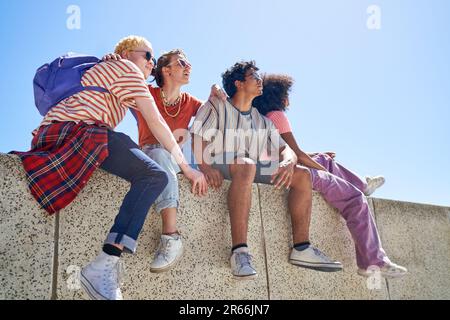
<point>280,121</point>
<point>122,79</point>
<point>231,131</point>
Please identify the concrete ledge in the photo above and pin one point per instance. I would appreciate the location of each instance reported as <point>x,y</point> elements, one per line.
<point>27,237</point>
<point>418,236</point>
<point>41,255</point>
<point>328,232</point>
<point>203,273</point>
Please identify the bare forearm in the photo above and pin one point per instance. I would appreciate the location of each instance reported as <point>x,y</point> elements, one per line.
<point>161,131</point>
<point>305,160</point>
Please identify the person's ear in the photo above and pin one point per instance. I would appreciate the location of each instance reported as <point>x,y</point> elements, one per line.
<point>124,54</point>
<point>166,71</point>
<point>238,84</point>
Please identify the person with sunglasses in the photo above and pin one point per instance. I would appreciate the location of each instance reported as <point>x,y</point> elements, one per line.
<point>147,55</point>
<point>340,187</point>
<point>77,136</point>
<point>229,139</point>
<point>171,72</point>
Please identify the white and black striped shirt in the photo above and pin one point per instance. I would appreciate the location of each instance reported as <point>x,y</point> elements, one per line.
<point>229,130</point>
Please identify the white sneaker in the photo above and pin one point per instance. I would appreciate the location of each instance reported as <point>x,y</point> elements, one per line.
<point>313,258</point>
<point>241,265</point>
<point>169,252</point>
<point>373,183</point>
<point>389,270</point>
<point>101,278</point>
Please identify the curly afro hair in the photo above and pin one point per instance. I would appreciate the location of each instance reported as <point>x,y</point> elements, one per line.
<point>276,90</point>
<point>236,72</point>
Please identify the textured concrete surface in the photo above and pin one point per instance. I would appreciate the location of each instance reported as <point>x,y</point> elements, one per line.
<point>26,237</point>
<point>417,236</point>
<point>204,271</point>
<point>41,255</point>
<point>329,233</point>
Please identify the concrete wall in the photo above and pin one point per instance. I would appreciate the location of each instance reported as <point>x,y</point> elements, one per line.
<point>40,255</point>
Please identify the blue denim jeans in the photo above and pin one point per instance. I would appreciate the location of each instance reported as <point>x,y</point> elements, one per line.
<point>170,197</point>
<point>147,180</point>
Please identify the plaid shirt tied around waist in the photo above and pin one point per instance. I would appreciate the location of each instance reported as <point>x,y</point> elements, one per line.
<point>62,158</point>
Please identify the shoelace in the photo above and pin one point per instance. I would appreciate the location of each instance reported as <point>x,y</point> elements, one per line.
<point>115,275</point>
<point>244,258</point>
<point>393,268</point>
<point>321,254</point>
<point>163,248</point>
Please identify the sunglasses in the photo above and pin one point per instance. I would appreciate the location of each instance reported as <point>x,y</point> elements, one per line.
<point>182,63</point>
<point>148,56</point>
<point>255,75</point>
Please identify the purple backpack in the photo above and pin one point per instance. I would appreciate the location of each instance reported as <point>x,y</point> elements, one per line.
<point>61,79</point>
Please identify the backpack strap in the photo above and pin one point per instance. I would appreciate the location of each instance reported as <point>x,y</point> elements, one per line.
<point>93,88</point>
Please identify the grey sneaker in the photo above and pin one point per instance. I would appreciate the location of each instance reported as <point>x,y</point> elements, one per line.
<point>389,270</point>
<point>313,258</point>
<point>241,265</point>
<point>169,252</point>
<point>373,183</point>
<point>101,278</point>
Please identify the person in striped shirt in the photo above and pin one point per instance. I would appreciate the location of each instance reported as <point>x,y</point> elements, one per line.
<point>229,140</point>
<point>77,136</point>
<point>340,187</point>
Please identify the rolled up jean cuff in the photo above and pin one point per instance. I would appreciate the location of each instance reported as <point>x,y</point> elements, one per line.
<point>129,244</point>
<point>166,203</point>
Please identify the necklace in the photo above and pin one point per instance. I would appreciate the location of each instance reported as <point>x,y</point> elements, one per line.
<point>167,104</point>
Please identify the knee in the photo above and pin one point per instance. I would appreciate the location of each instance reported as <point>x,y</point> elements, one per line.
<point>157,177</point>
<point>302,176</point>
<point>161,178</point>
<point>244,169</point>
<point>324,159</point>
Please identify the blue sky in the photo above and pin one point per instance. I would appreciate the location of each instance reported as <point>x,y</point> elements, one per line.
<point>379,98</point>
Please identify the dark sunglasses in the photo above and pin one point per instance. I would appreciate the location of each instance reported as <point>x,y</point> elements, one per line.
<point>148,56</point>
<point>182,63</point>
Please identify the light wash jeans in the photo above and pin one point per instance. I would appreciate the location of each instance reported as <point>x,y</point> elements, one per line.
<point>170,196</point>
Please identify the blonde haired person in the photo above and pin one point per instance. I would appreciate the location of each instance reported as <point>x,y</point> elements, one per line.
<point>77,135</point>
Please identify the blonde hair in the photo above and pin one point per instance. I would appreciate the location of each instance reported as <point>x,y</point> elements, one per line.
<point>130,43</point>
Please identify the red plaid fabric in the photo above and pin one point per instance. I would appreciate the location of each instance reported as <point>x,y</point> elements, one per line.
<point>62,158</point>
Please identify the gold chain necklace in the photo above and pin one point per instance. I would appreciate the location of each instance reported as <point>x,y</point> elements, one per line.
<point>167,104</point>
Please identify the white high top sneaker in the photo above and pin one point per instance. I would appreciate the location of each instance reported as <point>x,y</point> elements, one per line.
<point>101,278</point>
<point>169,252</point>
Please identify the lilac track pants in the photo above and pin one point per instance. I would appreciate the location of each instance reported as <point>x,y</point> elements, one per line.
<point>342,189</point>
